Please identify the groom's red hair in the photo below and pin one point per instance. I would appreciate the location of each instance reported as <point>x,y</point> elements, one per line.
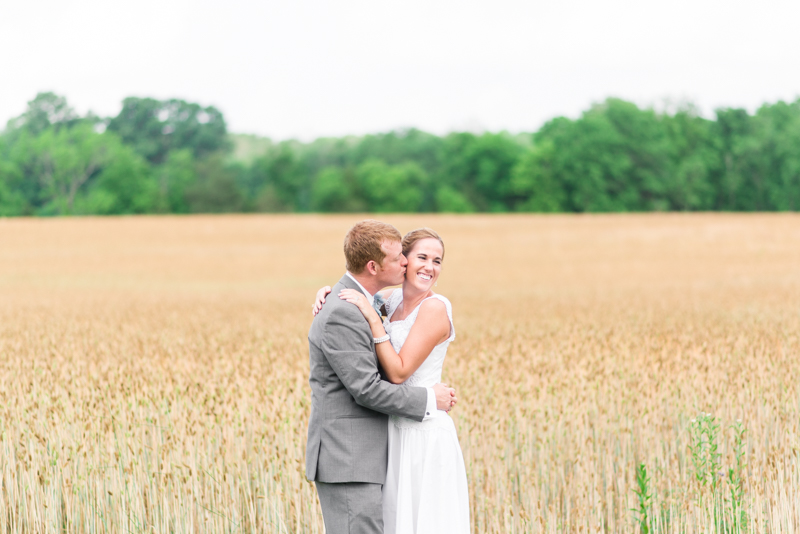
<point>362,244</point>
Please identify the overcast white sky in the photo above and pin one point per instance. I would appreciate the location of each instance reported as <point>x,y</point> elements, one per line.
<point>301,68</point>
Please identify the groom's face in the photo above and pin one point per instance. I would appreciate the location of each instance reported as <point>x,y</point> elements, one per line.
<point>393,270</point>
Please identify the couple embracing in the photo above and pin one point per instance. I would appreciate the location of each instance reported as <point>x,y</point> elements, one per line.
<point>382,449</point>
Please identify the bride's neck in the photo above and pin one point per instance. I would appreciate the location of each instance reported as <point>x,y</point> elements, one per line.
<point>412,297</point>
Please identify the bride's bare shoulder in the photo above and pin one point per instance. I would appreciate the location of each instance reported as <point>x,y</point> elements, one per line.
<point>432,307</point>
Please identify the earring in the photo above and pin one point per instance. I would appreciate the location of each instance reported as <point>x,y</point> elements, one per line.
<point>435,284</point>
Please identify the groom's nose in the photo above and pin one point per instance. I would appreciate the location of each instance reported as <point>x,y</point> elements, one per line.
<point>403,260</point>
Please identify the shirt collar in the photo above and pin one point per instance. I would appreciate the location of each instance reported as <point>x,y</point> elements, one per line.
<point>369,295</point>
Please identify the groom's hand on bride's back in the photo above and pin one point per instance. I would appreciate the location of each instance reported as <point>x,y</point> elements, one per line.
<point>320,300</point>
<point>445,397</point>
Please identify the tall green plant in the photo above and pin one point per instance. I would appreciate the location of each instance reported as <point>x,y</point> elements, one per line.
<point>644,497</point>
<point>704,449</point>
<point>736,478</point>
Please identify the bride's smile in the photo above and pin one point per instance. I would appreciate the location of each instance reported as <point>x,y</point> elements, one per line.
<point>424,264</point>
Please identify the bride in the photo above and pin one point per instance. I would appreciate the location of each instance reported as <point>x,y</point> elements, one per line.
<point>426,481</point>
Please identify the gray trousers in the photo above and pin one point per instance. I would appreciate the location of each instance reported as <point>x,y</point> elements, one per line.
<point>351,507</point>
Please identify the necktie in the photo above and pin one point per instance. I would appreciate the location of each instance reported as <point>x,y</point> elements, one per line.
<point>377,302</point>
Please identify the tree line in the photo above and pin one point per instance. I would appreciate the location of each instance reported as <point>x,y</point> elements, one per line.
<point>173,156</point>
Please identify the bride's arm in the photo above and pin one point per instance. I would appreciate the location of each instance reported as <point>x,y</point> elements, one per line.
<point>319,300</point>
<point>431,328</point>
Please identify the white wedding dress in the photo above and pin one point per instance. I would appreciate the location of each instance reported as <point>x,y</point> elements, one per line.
<point>426,481</point>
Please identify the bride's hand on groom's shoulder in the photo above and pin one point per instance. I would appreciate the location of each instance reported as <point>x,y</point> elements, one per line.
<point>357,297</point>
<point>320,300</point>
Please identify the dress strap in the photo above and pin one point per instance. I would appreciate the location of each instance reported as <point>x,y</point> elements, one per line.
<point>449,308</point>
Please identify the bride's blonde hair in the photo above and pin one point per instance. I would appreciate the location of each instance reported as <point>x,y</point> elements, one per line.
<point>411,238</point>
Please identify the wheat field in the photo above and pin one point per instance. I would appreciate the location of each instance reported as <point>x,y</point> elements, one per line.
<point>616,373</point>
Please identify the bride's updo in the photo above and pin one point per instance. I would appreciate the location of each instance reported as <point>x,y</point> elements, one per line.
<point>411,238</point>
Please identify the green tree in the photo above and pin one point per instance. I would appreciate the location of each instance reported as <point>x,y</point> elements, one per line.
<point>71,163</point>
<point>777,158</point>
<point>479,167</point>
<point>215,190</point>
<point>334,191</point>
<point>533,181</point>
<point>733,131</point>
<point>44,111</point>
<point>398,147</point>
<point>125,185</point>
<point>154,128</point>
<point>174,176</point>
<point>168,156</point>
<point>65,160</point>
<point>392,188</point>
<point>448,200</point>
<point>785,193</point>
<point>759,158</point>
<point>588,161</point>
<point>695,161</point>
<point>12,199</point>
<point>281,180</point>
<point>615,157</point>
<point>12,202</point>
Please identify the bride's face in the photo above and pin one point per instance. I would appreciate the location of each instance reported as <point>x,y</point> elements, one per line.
<point>424,264</point>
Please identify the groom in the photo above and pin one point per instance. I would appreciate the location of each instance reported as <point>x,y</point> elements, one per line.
<point>346,454</point>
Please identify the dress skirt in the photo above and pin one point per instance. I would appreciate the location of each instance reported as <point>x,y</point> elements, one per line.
<point>426,481</point>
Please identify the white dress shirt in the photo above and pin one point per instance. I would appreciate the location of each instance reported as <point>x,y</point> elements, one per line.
<point>431,408</point>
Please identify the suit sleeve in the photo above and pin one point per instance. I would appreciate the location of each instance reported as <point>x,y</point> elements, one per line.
<point>348,347</point>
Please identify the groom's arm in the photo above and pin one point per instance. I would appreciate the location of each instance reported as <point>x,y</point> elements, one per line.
<point>348,348</point>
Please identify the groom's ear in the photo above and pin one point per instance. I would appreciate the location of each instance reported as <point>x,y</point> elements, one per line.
<point>372,267</point>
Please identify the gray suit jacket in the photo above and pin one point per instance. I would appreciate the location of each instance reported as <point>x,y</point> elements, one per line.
<point>347,432</point>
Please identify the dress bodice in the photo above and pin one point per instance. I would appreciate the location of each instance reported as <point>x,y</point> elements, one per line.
<point>430,372</point>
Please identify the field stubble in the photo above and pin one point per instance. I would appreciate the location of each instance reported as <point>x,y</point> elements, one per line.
<point>153,371</point>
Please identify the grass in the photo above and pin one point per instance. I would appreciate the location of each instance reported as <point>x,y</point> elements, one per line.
<point>630,373</point>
